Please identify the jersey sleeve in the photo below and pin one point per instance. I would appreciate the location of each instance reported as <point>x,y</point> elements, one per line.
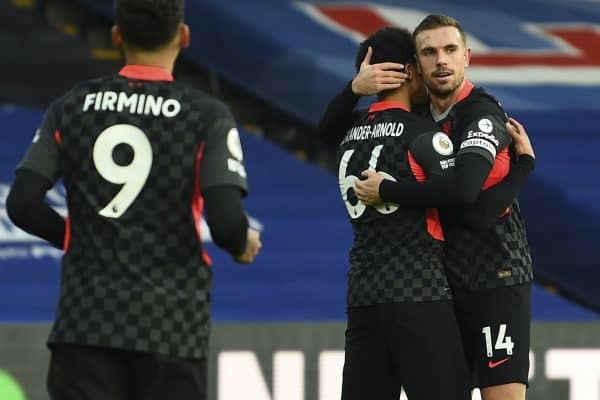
<point>433,152</point>
<point>338,117</point>
<point>222,157</point>
<point>483,131</point>
<point>495,201</point>
<point>42,156</point>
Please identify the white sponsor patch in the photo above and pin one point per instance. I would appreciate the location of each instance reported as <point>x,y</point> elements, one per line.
<point>487,136</point>
<point>481,143</point>
<point>37,136</point>
<point>442,144</point>
<point>234,145</point>
<point>236,167</point>
<point>485,125</point>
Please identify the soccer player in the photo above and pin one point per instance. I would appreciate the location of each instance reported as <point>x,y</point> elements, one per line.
<point>398,298</point>
<point>489,270</point>
<point>140,156</point>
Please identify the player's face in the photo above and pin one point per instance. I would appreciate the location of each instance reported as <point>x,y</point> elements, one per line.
<point>443,58</point>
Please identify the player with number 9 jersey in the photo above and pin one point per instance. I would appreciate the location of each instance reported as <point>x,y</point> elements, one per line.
<point>142,158</point>
<point>135,151</point>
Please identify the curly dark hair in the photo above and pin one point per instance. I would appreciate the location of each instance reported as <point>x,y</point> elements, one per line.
<point>148,24</point>
<point>389,44</point>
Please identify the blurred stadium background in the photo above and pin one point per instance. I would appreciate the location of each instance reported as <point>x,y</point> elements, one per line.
<point>278,332</point>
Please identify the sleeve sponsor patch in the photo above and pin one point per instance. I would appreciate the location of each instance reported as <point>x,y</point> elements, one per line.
<point>483,135</point>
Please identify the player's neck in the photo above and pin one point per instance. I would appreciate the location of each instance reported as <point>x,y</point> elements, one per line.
<point>401,95</point>
<point>164,59</point>
<point>442,103</point>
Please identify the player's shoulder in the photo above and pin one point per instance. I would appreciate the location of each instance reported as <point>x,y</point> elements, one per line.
<point>417,125</point>
<point>203,102</point>
<point>94,84</point>
<point>361,115</point>
<point>72,96</point>
<point>480,101</point>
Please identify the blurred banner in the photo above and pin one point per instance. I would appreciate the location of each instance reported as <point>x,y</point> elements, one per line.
<point>303,361</point>
<point>531,54</point>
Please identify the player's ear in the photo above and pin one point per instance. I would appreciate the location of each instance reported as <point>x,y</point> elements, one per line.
<point>409,70</point>
<point>417,65</point>
<point>467,56</point>
<point>117,37</point>
<point>184,36</point>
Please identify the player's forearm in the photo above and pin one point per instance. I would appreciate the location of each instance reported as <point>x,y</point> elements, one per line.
<point>493,202</point>
<point>26,208</point>
<point>458,188</point>
<point>338,117</point>
<point>226,218</point>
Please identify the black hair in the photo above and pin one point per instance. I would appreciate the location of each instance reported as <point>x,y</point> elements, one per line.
<point>389,44</point>
<point>148,24</point>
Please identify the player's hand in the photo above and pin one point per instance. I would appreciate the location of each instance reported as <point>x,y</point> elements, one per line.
<point>374,78</point>
<point>520,137</point>
<point>367,190</point>
<point>253,246</point>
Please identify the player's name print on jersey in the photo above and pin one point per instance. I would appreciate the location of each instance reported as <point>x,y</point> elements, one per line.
<point>134,103</point>
<point>367,132</point>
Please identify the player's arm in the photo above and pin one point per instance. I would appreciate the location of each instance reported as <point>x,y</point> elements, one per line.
<point>459,186</point>
<point>223,184</point>
<point>496,200</point>
<point>462,185</point>
<point>26,208</point>
<point>226,218</point>
<point>35,175</point>
<point>338,117</point>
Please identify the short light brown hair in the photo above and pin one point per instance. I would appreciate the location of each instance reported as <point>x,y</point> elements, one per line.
<point>433,21</point>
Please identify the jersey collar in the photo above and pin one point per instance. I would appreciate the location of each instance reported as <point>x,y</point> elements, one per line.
<point>465,91</point>
<point>387,105</point>
<point>146,73</point>
<point>463,94</point>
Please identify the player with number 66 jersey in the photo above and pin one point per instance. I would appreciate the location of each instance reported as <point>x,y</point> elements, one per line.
<point>398,298</point>
<point>397,254</point>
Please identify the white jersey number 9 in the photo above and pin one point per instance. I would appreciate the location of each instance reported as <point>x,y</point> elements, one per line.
<point>132,176</point>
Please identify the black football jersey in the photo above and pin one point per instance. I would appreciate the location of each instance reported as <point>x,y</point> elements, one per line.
<point>499,256</point>
<point>397,253</point>
<point>135,152</point>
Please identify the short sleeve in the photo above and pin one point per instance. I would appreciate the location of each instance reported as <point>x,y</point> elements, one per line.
<point>42,156</point>
<point>434,153</point>
<point>222,157</point>
<point>483,132</point>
